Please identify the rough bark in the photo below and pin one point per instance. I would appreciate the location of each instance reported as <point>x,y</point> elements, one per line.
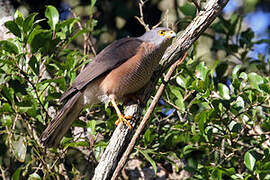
<point>121,136</point>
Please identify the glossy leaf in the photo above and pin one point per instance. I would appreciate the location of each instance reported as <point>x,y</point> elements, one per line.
<point>13,28</point>
<point>29,22</point>
<point>224,91</point>
<point>255,80</point>
<point>19,148</point>
<point>9,46</point>
<point>201,71</point>
<point>34,64</point>
<point>250,160</point>
<point>53,16</point>
<point>91,127</point>
<point>235,71</point>
<point>18,18</point>
<point>34,176</point>
<point>180,81</point>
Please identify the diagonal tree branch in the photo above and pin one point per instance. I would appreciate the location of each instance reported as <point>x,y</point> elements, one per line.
<point>121,136</point>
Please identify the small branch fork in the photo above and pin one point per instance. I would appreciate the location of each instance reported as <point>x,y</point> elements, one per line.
<point>140,19</point>
<point>87,40</point>
<point>146,117</point>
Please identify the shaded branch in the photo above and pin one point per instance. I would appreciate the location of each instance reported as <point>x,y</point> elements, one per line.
<point>121,136</point>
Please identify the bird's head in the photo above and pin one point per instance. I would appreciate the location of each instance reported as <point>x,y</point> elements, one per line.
<point>158,36</point>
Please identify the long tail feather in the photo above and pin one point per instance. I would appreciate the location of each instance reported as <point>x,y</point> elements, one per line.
<point>63,121</point>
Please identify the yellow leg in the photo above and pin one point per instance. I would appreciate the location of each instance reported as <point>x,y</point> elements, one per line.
<point>121,118</point>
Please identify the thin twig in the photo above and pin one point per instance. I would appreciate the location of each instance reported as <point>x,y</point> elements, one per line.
<point>3,173</point>
<point>165,18</point>
<point>86,39</point>
<point>197,4</point>
<point>146,117</point>
<point>140,19</point>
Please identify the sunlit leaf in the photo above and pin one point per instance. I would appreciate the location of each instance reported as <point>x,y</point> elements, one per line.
<point>223,91</point>
<point>235,71</point>
<point>9,46</point>
<point>91,127</point>
<point>250,160</point>
<point>34,176</point>
<point>180,81</point>
<point>19,148</point>
<point>201,71</point>
<point>53,16</point>
<point>18,18</point>
<point>255,80</point>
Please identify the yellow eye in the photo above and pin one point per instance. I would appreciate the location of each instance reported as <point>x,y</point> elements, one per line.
<point>161,32</point>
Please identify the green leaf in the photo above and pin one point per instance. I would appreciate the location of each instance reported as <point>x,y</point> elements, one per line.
<point>6,107</point>
<point>53,16</point>
<point>148,137</point>
<point>188,9</point>
<point>255,80</point>
<point>181,81</point>
<point>179,101</point>
<point>17,174</point>
<point>34,65</point>
<point>201,118</point>
<point>148,158</point>
<point>216,174</point>
<point>19,148</point>
<point>235,71</point>
<point>243,75</point>
<point>29,22</point>
<point>69,23</point>
<point>9,46</point>
<point>188,149</point>
<point>265,87</point>
<point>18,18</point>
<point>91,127</point>
<point>42,40</point>
<point>249,160</point>
<point>201,71</point>
<point>8,93</point>
<point>224,91</point>
<point>13,28</point>
<point>76,144</point>
<point>34,176</point>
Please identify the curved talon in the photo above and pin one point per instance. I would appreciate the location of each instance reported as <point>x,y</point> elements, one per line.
<point>123,120</point>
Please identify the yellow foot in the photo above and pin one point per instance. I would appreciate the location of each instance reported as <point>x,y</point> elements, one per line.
<point>124,120</point>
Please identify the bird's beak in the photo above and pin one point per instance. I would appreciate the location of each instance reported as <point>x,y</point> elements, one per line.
<point>170,34</point>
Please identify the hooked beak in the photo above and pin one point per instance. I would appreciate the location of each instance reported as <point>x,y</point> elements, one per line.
<point>170,34</point>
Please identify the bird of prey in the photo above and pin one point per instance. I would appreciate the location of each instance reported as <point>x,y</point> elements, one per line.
<point>121,69</point>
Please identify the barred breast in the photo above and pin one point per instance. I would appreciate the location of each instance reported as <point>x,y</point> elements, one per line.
<point>132,75</point>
